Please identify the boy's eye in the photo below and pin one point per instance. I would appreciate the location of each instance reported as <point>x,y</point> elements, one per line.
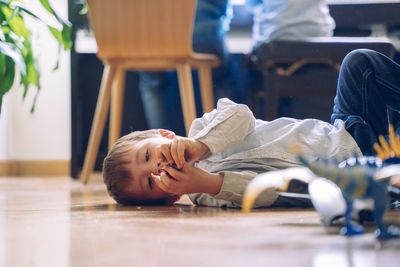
<point>147,155</point>
<point>150,183</point>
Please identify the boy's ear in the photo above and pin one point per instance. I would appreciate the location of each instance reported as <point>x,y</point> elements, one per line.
<point>167,133</point>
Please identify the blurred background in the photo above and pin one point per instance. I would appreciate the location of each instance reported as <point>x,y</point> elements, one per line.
<point>58,130</point>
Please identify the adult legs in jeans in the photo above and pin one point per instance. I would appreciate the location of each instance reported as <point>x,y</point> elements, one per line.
<point>159,91</point>
<point>161,100</point>
<point>368,84</point>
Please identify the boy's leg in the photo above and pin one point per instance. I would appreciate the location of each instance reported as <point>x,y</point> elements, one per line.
<point>368,83</point>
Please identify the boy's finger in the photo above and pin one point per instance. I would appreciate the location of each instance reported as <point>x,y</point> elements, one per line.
<point>160,183</point>
<point>168,182</point>
<point>165,151</point>
<point>176,174</point>
<point>174,151</point>
<point>181,154</point>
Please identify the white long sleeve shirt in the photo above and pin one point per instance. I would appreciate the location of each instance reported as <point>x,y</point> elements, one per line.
<point>290,19</point>
<point>242,147</point>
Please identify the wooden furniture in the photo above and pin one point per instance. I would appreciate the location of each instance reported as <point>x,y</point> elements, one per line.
<point>148,35</point>
<point>304,68</point>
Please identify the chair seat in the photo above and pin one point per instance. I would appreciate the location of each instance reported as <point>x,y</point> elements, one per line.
<point>333,48</point>
<point>209,59</point>
<point>165,63</point>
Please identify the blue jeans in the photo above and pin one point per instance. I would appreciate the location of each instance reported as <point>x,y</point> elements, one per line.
<point>368,84</point>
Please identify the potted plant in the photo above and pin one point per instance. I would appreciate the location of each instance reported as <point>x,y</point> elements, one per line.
<point>16,54</point>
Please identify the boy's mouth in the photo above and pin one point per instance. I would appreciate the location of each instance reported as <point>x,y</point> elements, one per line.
<point>155,176</point>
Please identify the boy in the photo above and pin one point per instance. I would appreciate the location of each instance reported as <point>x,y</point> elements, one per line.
<point>228,147</point>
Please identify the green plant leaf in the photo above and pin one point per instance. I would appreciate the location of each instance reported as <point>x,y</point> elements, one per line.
<point>32,70</point>
<point>7,78</point>
<point>66,37</point>
<point>15,42</point>
<point>34,100</point>
<point>1,102</point>
<point>9,50</point>
<point>15,22</point>
<point>42,13</point>
<point>58,59</point>
<point>52,11</point>
<point>2,35</point>
<point>14,12</point>
<point>2,64</point>
<point>53,20</point>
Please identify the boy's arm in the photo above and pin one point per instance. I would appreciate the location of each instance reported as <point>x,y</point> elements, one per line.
<point>232,191</point>
<point>223,127</point>
<point>225,189</point>
<point>188,180</point>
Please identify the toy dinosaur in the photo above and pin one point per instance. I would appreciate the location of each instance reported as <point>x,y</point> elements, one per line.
<point>359,180</point>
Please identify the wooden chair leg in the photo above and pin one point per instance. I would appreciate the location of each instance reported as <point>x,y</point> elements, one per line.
<point>187,95</point>
<point>117,104</point>
<point>99,120</point>
<point>207,94</point>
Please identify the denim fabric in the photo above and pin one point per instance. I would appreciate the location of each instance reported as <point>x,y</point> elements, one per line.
<point>159,90</point>
<point>369,82</point>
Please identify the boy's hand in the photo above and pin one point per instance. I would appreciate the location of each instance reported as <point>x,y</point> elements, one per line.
<point>188,180</point>
<point>186,149</point>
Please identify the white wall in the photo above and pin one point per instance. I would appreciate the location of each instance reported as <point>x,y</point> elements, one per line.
<point>4,129</point>
<point>45,134</point>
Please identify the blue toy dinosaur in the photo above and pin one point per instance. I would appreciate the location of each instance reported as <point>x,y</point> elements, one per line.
<point>359,180</point>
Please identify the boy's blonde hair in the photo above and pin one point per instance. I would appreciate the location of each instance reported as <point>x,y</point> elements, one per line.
<point>116,172</point>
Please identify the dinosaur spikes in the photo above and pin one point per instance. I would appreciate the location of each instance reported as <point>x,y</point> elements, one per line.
<point>385,150</point>
<point>394,141</point>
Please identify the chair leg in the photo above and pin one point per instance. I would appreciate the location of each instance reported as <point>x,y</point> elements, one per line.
<point>187,95</point>
<point>207,94</point>
<point>99,121</point>
<point>117,103</point>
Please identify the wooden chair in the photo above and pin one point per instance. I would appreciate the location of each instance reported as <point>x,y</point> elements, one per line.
<point>145,35</point>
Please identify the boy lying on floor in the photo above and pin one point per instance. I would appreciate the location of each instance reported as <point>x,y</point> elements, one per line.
<point>228,147</point>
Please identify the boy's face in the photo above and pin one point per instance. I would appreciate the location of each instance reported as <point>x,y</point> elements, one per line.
<point>146,158</point>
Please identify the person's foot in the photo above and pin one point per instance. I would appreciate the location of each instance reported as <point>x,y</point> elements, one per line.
<point>351,230</point>
<point>390,233</point>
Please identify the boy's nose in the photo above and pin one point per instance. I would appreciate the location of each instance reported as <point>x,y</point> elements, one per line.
<point>158,166</point>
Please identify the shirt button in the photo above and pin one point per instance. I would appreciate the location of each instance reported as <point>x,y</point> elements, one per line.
<point>285,156</point>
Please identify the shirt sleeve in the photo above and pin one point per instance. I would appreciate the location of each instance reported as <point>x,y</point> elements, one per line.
<point>232,192</point>
<point>223,127</point>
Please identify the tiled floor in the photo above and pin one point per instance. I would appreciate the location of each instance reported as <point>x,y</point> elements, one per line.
<point>59,222</point>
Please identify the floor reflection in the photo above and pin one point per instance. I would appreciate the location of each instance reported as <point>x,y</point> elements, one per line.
<point>34,223</point>
<point>59,222</point>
